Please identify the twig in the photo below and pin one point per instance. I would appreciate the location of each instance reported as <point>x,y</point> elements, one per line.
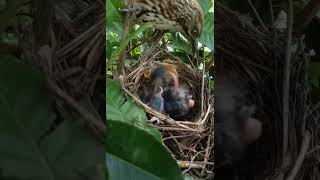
<point>208,151</point>
<point>94,122</point>
<point>271,13</point>
<point>302,154</point>
<point>286,80</point>
<point>305,93</point>
<point>177,129</point>
<point>191,162</point>
<point>313,150</point>
<point>175,137</point>
<point>206,115</point>
<point>257,15</point>
<point>178,144</point>
<point>192,165</point>
<point>285,99</point>
<point>315,108</point>
<point>202,85</point>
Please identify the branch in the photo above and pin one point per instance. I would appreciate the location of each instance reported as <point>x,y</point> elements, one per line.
<point>301,156</point>
<point>257,15</point>
<point>95,123</point>
<point>286,80</point>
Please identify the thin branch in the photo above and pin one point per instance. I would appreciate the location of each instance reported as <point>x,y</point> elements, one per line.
<point>271,13</point>
<point>301,156</point>
<point>202,85</point>
<point>257,15</point>
<point>193,165</point>
<point>286,79</point>
<point>94,122</point>
<point>313,150</point>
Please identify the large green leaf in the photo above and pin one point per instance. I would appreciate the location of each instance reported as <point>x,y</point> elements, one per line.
<point>179,43</point>
<point>113,16</point>
<point>207,36</point>
<point>205,5</point>
<point>133,154</point>
<point>7,13</point>
<point>120,109</point>
<point>28,150</point>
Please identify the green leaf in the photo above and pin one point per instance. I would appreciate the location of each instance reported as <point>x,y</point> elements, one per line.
<point>207,36</point>
<point>133,154</point>
<point>315,73</point>
<point>113,16</point>
<point>120,109</point>
<point>123,170</point>
<point>179,43</point>
<point>205,5</point>
<point>70,149</point>
<point>7,13</point>
<point>28,150</point>
<point>132,35</point>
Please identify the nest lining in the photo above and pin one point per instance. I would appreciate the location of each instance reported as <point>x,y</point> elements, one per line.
<point>189,139</point>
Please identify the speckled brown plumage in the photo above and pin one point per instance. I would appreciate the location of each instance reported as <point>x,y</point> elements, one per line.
<point>185,16</point>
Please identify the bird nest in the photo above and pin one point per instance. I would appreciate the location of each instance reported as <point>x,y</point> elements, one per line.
<point>257,55</point>
<point>189,139</point>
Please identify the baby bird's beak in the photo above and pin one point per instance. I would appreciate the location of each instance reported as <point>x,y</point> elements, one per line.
<point>147,75</point>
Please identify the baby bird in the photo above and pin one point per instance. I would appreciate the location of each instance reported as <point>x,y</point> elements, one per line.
<point>253,130</point>
<point>157,101</point>
<point>164,75</point>
<point>234,128</point>
<point>177,104</point>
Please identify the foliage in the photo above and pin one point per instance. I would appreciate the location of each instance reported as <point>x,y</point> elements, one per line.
<point>30,147</point>
<point>119,109</point>
<point>315,74</point>
<point>134,148</point>
<point>134,154</point>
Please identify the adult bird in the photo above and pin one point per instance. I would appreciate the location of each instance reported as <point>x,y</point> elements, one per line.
<point>185,16</point>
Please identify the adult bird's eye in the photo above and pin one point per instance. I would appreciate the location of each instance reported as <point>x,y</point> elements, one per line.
<point>194,32</point>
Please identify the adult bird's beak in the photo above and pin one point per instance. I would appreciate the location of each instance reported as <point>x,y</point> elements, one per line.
<point>195,48</point>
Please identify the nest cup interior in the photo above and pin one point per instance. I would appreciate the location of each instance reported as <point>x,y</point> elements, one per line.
<point>188,78</point>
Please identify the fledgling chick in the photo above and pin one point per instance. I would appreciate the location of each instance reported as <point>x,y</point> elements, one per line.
<point>234,128</point>
<point>164,75</point>
<point>177,104</point>
<point>253,130</point>
<point>157,101</point>
<point>146,92</point>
